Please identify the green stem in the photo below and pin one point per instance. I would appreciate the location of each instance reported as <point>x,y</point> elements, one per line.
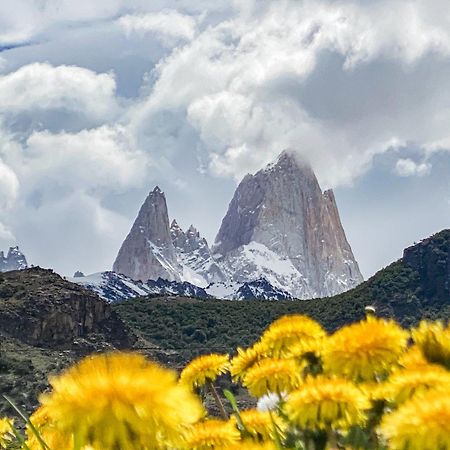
<point>218,401</point>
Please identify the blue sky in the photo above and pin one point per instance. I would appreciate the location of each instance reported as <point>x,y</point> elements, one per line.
<point>100,101</point>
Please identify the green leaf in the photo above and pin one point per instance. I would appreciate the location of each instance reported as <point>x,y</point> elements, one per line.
<point>231,398</point>
<point>29,423</point>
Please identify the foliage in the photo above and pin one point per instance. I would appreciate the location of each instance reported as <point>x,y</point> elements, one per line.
<point>123,400</point>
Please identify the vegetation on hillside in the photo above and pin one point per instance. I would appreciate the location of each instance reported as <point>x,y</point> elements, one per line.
<point>190,327</point>
<point>371,385</point>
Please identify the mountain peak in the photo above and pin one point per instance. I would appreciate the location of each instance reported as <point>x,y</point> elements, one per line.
<point>279,224</point>
<point>288,159</point>
<point>157,191</point>
<point>174,225</point>
<point>14,260</point>
<point>148,251</point>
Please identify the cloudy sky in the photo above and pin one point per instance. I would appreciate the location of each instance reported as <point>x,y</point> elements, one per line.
<point>102,100</point>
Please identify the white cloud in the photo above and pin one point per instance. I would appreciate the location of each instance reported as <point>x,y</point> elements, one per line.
<point>30,19</point>
<point>9,186</point>
<point>40,86</point>
<point>406,167</point>
<point>169,25</point>
<point>91,160</point>
<point>237,84</point>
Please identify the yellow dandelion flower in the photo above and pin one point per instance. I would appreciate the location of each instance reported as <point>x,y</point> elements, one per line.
<point>364,350</point>
<point>53,437</point>
<point>212,434</point>
<point>204,368</point>
<point>413,358</point>
<point>325,403</point>
<point>121,400</point>
<point>248,444</point>
<point>402,385</point>
<point>434,341</point>
<point>6,432</point>
<point>422,423</point>
<point>272,375</point>
<point>245,359</point>
<point>260,424</point>
<point>292,335</point>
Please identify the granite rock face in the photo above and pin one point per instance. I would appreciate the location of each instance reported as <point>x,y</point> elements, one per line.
<point>281,226</point>
<point>148,252</point>
<point>14,260</point>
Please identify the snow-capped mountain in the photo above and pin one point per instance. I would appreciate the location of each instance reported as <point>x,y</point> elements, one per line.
<point>14,260</point>
<point>280,227</point>
<point>114,287</point>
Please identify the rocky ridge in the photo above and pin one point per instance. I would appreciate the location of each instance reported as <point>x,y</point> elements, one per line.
<point>114,287</point>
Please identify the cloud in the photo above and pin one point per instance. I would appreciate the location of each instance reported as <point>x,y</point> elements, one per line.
<point>41,86</point>
<point>169,25</point>
<point>32,20</point>
<point>240,83</point>
<point>88,161</point>
<point>9,186</point>
<point>407,168</point>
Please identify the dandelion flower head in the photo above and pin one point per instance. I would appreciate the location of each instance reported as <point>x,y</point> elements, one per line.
<point>204,368</point>
<point>121,400</point>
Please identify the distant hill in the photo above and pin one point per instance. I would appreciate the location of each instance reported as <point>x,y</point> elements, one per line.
<point>415,287</point>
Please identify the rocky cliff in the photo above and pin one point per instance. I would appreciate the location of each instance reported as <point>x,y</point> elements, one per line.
<point>281,226</point>
<point>40,308</point>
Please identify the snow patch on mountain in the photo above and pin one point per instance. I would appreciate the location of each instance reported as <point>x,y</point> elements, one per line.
<point>115,287</point>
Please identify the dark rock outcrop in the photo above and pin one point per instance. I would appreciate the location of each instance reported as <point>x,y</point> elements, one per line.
<point>40,308</point>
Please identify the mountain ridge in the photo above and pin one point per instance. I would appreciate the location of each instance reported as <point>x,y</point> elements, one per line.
<point>279,226</point>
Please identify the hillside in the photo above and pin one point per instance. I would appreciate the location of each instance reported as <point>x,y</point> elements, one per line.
<point>46,323</point>
<point>415,287</point>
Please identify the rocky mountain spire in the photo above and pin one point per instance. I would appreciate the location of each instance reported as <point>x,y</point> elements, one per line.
<point>14,260</point>
<point>148,251</point>
<point>281,226</point>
